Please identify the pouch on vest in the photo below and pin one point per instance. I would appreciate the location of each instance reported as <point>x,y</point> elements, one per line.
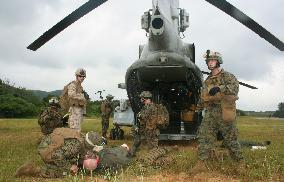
<point>162,116</point>
<point>228,105</point>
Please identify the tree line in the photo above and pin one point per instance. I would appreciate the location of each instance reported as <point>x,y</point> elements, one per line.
<point>18,102</point>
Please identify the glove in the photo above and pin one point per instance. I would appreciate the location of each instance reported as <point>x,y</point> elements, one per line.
<point>214,91</point>
<point>86,95</point>
<point>103,141</point>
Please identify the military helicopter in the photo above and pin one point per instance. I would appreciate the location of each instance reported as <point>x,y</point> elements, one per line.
<point>166,65</point>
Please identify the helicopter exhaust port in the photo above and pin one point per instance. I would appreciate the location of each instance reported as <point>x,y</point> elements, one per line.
<point>157,25</point>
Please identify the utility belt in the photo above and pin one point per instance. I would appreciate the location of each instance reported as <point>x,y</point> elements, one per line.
<point>77,103</point>
<point>213,105</point>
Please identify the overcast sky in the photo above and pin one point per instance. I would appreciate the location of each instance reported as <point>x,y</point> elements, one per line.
<point>105,42</point>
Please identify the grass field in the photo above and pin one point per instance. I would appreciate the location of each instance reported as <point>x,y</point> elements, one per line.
<point>19,137</point>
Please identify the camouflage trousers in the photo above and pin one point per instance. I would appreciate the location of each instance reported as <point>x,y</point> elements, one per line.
<point>151,138</point>
<point>207,134</point>
<point>105,124</point>
<point>75,117</point>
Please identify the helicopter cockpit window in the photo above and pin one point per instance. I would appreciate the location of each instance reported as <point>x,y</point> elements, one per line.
<point>145,20</point>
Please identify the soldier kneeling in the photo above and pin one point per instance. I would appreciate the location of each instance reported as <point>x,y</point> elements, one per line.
<point>51,117</point>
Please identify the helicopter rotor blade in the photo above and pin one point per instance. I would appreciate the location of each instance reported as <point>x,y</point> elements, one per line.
<point>241,83</point>
<point>247,21</point>
<point>64,23</point>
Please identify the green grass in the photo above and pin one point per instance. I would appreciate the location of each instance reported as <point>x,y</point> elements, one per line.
<point>19,138</point>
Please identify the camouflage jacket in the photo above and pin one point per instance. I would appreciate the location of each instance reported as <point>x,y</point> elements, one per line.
<point>227,83</point>
<point>49,119</point>
<point>113,157</point>
<point>147,116</point>
<point>106,107</point>
<point>75,95</point>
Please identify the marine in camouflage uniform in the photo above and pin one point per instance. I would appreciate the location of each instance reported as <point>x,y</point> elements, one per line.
<point>51,117</point>
<point>77,100</point>
<point>106,110</point>
<point>149,121</point>
<point>59,151</point>
<point>65,148</point>
<point>218,97</point>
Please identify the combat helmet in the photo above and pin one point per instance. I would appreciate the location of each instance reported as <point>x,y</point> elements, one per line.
<point>80,72</point>
<point>53,101</point>
<point>209,55</point>
<point>145,94</point>
<point>109,97</point>
<point>94,139</point>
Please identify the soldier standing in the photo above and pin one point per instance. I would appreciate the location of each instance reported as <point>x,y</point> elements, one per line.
<point>218,96</point>
<point>77,99</point>
<point>106,110</point>
<point>51,117</point>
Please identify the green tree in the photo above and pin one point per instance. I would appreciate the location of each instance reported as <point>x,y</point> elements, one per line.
<point>11,106</point>
<point>280,112</point>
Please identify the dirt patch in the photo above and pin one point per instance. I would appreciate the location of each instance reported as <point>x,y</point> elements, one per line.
<point>182,177</point>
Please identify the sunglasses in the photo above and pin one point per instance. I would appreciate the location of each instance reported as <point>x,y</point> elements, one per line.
<point>81,76</point>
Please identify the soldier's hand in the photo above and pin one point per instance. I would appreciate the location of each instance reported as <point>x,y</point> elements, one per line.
<point>135,128</point>
<point>74,170</point>
<point>214,91</point>
<point>86,95</point>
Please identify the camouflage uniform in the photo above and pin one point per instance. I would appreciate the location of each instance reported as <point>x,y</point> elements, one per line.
<point>59,151</point>
<point>148,125</point>
<point>77,103</point>
<point>219,117</point>
<point>49,119</point>
<point>106,110</point>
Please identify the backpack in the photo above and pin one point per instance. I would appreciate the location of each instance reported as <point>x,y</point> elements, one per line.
<point>63,100</point>
<point>162,116</point>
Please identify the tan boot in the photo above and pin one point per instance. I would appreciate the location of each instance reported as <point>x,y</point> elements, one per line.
<point>199,167</point>
<point>28,169</point>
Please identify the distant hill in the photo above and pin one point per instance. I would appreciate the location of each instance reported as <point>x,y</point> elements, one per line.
<point>17,101</point>
<point>42,94</point>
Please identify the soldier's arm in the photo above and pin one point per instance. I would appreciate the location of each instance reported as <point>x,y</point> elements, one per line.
<point>230,85</point>
<point>72,93</point>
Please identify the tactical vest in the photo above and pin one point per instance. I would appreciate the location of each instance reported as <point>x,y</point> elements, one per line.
<point>57,140</point>
<point>162,116</point>
<point>226,102</point>
<point>77,102</point>
<point>66,102</point>
<point>154,115</point>
<point>50,119</point>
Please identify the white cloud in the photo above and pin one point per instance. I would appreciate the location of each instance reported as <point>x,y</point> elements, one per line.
<point>105,42</point>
